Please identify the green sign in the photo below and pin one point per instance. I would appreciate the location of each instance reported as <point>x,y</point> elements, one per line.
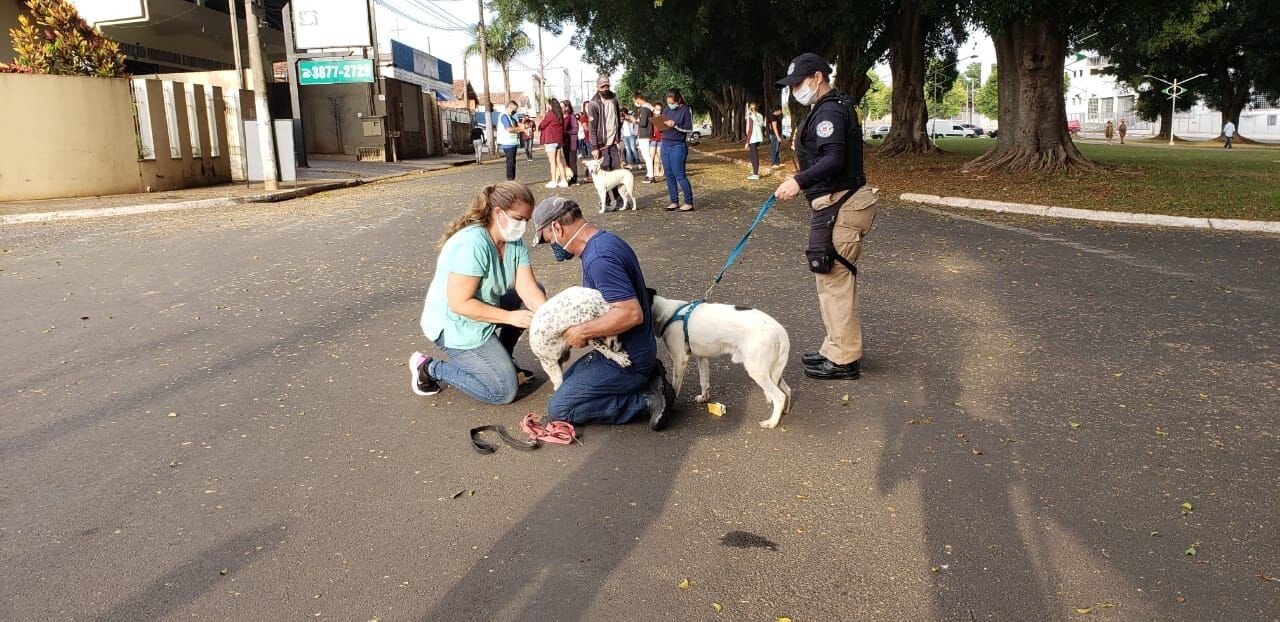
<point>335,71</point>
<point>1171,91</point>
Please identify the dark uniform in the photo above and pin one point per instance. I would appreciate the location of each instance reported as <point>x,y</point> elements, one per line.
<point>828,146</point>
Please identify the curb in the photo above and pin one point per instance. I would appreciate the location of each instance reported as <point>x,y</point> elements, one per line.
<point>265,197</point>
<point>1154,220</point>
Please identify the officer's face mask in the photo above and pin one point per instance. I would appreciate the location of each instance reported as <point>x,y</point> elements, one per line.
<point>803,93</point>
<point>560,252</point>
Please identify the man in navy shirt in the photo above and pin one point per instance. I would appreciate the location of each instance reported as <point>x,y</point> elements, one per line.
<point>595,389</point>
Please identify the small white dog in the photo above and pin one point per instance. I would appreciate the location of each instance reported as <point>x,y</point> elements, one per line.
<point>748,336</point>
<point>608,180</point>
<point>570,307</point>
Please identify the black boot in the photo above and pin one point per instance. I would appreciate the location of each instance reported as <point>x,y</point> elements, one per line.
<point>811,358</point>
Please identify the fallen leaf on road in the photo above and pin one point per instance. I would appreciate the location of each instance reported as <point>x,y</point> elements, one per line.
<point>845,400</point>
<point>1073,424</point>
<point>223,571</point>
<point>1266,578</point>
<point>457,494</point>
<point>172,415</point>
<point>684,584</point>
<point>976,451</point>
<point>1187,507</point>
<point>1160,432</point>
<point>1084,610</point>
<point>784,619</point>
<point>1118,374</point>
<point>1179,599</point>
<point>1155,534</point>
<point>718,607</point>
<point>1191,550</point>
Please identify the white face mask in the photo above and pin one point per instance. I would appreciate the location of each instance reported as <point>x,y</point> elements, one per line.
<point>803,94</point>
<point>514,229</point>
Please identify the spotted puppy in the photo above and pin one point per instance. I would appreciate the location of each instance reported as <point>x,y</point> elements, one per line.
<point>570,307</point>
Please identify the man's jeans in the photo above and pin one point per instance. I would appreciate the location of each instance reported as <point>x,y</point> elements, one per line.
<point>486,373</point>
<point>774,150</point>
<point>510,152</point>
<point>596,391</point>
<point>629,150</point>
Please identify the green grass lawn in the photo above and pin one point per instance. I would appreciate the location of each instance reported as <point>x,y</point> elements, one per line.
<point>1185,180</point>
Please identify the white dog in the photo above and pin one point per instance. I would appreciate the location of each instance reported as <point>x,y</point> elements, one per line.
<point>570,307</point>
<point>748,336</point>
<point>608,180</point>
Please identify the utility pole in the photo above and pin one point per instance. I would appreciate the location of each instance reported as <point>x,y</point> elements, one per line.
<point>266,137</point>
<point>542,73</point>
<point>484,68</point>
<point>235,44</point>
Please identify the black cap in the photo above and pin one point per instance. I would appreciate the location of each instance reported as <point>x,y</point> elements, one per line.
<point>802,67</point>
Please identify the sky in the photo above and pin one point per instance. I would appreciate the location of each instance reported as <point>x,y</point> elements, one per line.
<point>438,28</point>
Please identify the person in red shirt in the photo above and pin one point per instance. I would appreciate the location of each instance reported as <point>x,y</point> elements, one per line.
<point>552,131</point>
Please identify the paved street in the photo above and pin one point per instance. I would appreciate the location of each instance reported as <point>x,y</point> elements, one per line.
<point>206,415</point>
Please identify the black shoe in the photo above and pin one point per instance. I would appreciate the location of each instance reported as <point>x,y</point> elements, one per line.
<point>647,180</point>
<point>826,370</point>
<point>659,399</point>
<point>811,358</point>
<point>423,383</point>
<point>523,376</point>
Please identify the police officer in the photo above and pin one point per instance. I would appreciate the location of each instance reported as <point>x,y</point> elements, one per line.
<point>828,145</point>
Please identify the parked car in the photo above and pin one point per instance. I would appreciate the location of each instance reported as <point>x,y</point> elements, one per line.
<point>977,131</point>
<point>698,131</point>
<point>1073,127</point>
<point>879,131</point>
<point>939,128</point>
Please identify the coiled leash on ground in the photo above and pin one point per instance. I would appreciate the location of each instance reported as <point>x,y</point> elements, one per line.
<point>485,447</point>
<point>682,314</point>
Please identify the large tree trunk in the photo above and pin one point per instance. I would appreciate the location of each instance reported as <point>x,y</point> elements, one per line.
<point>1166,120</point>
<point>1033,116</point>
<point>848,79</point>
<point>907,63</point>
<point>1233,91</point>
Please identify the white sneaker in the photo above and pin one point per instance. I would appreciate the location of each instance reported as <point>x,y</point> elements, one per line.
<point>563,184</point>
<point>551,184</point>
<point>753,177</point>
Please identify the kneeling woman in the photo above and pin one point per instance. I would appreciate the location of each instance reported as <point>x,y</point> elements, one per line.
<point>474,309</point>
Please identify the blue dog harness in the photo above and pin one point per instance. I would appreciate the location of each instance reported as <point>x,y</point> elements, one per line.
<point>682,315</point>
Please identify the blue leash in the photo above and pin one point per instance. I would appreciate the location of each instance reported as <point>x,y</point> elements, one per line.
<point>682,314</point>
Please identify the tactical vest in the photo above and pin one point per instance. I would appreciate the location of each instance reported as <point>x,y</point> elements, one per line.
<point>852,176</point>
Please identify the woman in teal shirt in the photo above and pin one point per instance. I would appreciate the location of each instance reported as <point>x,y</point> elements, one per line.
<point>473,310</point>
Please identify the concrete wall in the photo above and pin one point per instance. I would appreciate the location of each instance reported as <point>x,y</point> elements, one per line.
<point>66,136</point>
<point>177,153</point>
<point>237,104</point>
<point>330,120</point>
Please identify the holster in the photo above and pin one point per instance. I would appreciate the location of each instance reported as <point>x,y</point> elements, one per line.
<point>821,252</point>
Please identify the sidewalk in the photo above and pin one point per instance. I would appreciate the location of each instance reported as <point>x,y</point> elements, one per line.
<point>321,176</point>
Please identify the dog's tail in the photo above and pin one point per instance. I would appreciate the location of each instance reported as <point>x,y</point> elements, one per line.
<point>783,349</point>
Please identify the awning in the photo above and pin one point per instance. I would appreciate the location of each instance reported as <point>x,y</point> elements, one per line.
<point>443,96</point>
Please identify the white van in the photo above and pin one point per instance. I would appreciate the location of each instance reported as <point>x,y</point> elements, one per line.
<point>939,128</point>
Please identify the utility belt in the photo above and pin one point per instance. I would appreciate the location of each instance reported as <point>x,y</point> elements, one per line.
<point>821,252</point>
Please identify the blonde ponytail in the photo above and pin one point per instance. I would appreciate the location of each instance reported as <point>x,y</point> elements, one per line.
<point>501,195</point>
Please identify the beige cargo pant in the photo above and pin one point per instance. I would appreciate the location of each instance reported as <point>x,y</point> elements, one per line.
<point>838,289</point>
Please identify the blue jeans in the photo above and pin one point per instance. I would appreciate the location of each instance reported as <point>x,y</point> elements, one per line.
<point>510,153</point>
<point>630,154</point>
<point>596,391</point>
<point>674,155</point>
<point>774,150</point>
<point>486,373</point>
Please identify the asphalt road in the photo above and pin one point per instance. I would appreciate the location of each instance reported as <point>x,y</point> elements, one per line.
<point>206,415</point>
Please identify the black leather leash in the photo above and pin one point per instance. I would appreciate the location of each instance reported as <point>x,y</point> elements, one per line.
<point>485,447</point>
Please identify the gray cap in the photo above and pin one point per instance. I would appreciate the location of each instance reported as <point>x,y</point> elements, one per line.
<point>547,211</point>
<point>602,80</point>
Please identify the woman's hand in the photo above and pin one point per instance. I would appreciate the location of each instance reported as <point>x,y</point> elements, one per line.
<point>520,318</point>
<point>670,123</point>
<point>788,189</point>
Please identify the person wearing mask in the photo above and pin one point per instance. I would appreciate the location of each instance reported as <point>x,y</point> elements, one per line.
<point>829,148</point>
<point>584,133</point>
<point>509,131</point>
<point>644,133</point>
<point>675,151</point>
<point>570,145</point>
<point>755,136</point>
<point>527,136</point>
<point>655,146</point>
<point>481,299</point>
<point>629,153</point>
<point>596,389</point>
<point>605,117</point>
<point>477,142</point>
<point>775,137</point>
<point>552,132</point>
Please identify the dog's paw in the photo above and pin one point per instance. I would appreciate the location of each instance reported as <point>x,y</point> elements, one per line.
<point>769,424</point>
<point>702,399</point>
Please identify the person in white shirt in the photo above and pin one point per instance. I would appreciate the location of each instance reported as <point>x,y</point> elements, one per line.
<point>1228,132</point>
<point>755,136</point>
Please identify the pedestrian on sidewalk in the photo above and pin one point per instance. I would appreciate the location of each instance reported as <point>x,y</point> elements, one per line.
<point>644,133</point>
<point>596,389</point>
<point>1122,129</point>
<point>1228,132</point>
<point>481,299</point>
<point>552,128</point>
<point>529,129</point>
<point>755,136</point>
<point>775,137</point>
<point>829,148</point>
<point>509,131</point>
<point>1108,131</point>
<point>570,144</point>
<point>605,118</point>
<point>477,142</point>
<point>675,151</point>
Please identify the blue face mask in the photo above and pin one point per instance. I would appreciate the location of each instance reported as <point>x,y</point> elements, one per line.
<point>560,252</point>
<point>673,106</point>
